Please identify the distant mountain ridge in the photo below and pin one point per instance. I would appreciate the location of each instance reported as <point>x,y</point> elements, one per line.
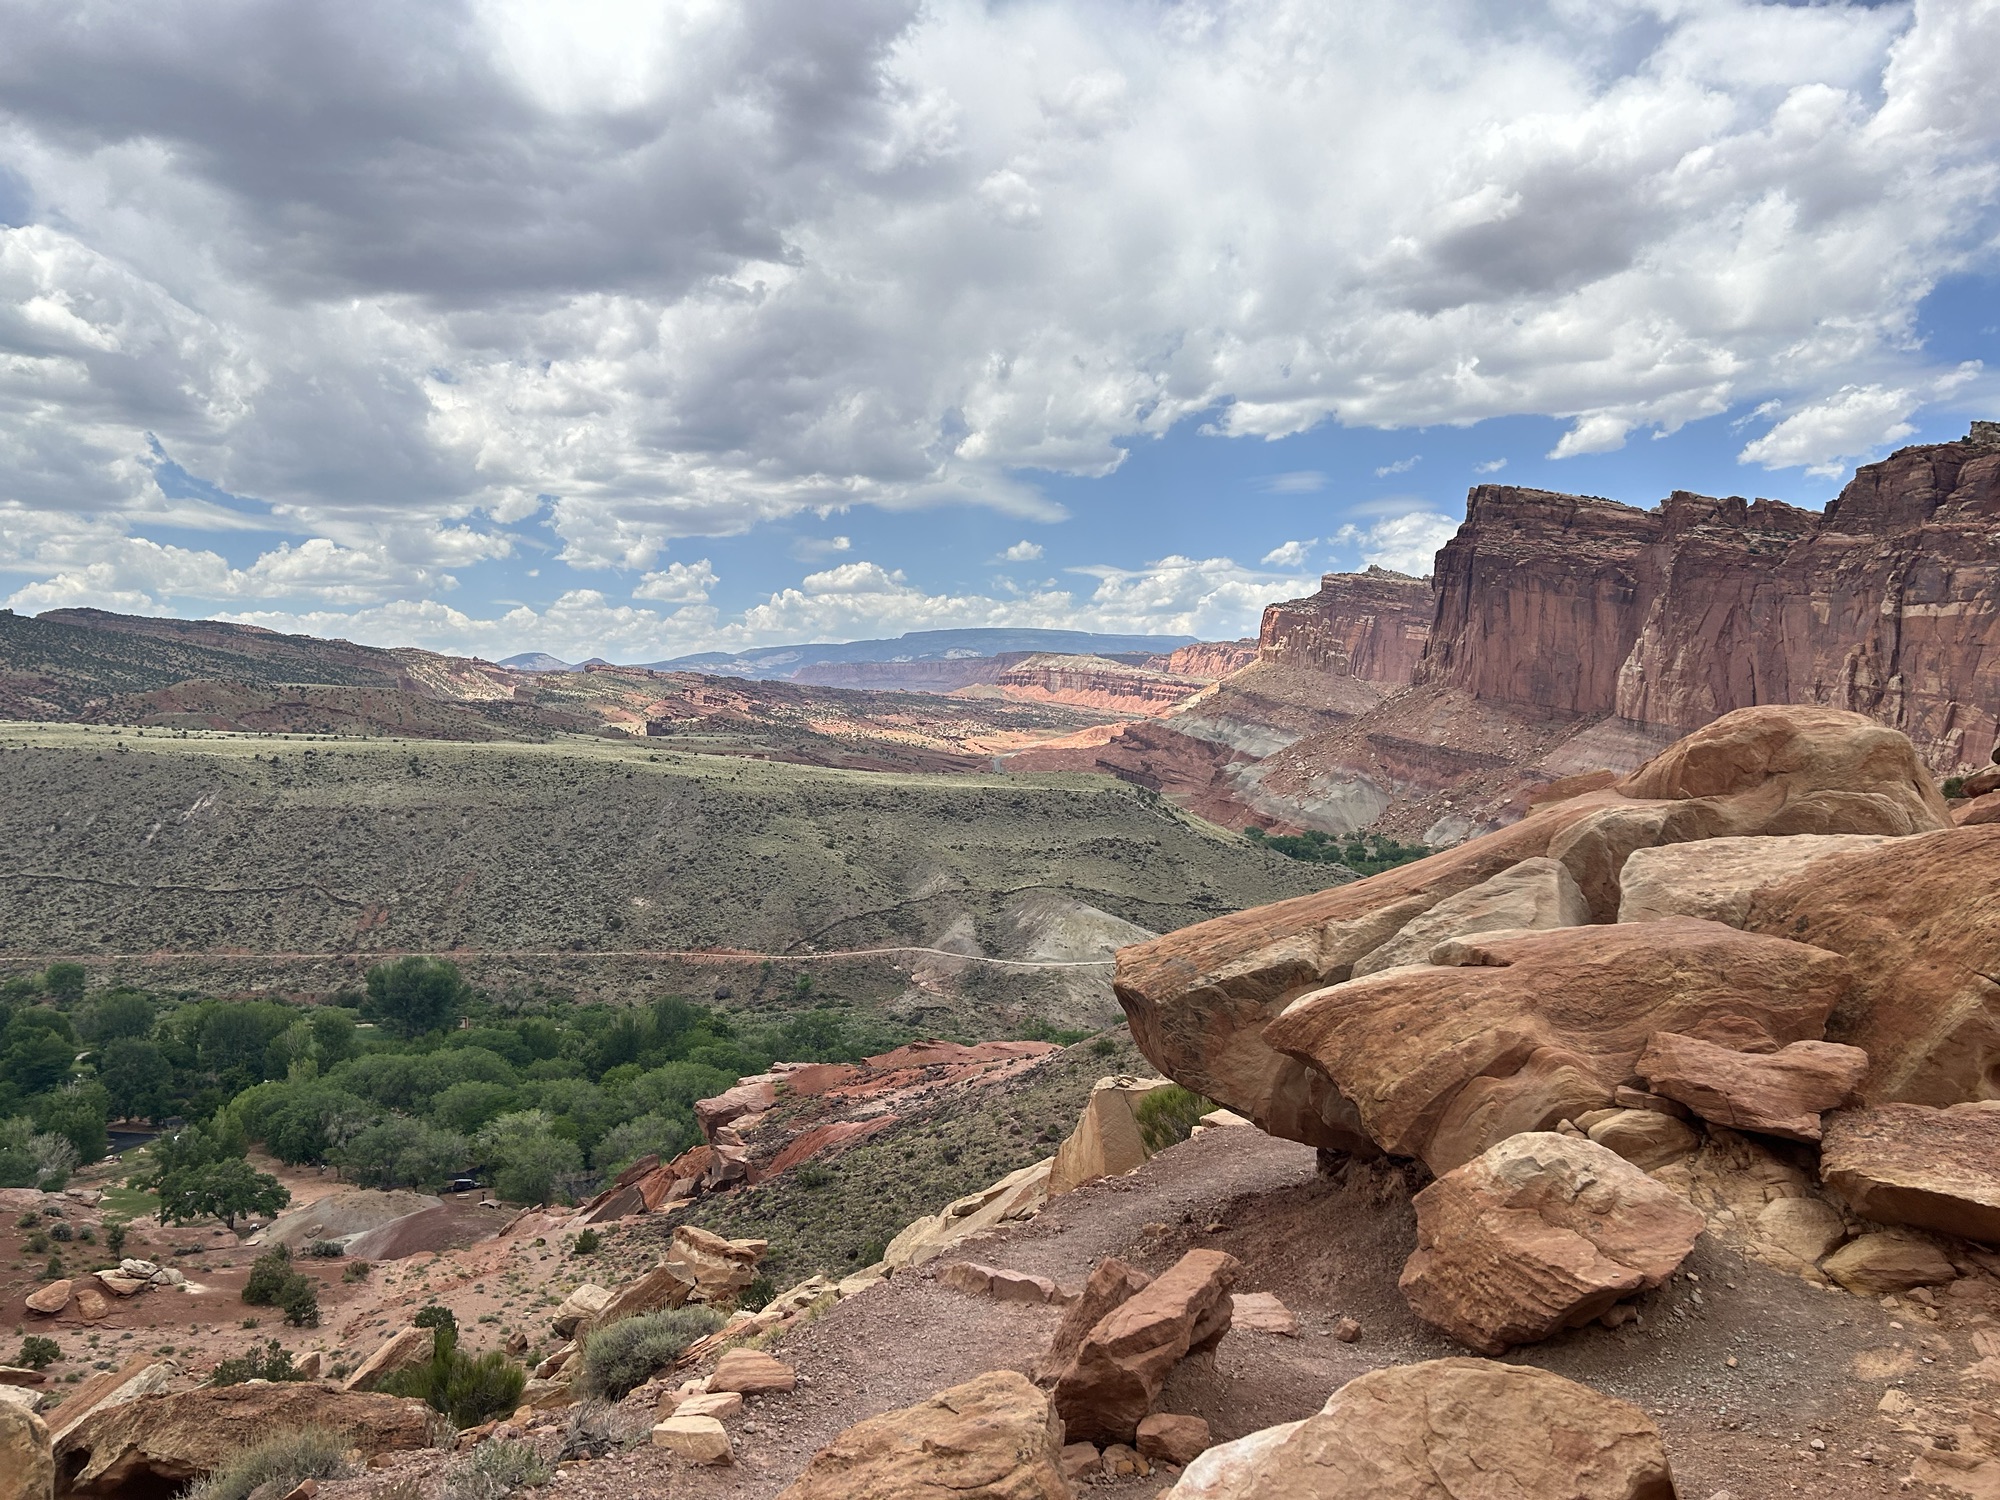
<point>918,645</point>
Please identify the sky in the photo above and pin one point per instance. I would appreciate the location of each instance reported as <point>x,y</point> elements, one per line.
<point>636,329</point>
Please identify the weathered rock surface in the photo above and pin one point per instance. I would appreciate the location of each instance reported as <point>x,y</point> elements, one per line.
<point>404,1349</point>
<point>1542,1232</point>
<point>1106,1141</point>
<point>1126,1357</point>
<point>1781,1093</point>
<point>1918,921</point>
<point>1525,1029</point>
<point>717,1268</point>
<point>1110,1285</point>
<point>51,1299</point>
<point>1447,1428</point>
<point>1370,625</point>
<point>1804,1230</point>
<point>751,1372</point>
<point>698,1439</point>
<point>1535,893</point>
<point>1644,1137</point>
<point>165,1440</point>
<point>1262,1312</point>
<point>578,1308</point>
<point>1167,1437</point>
<point>137,1377</point>
<point>27,1464</point>
<point>998,1283</point>
<point>995,1437</point>
<point>1716,878</point>
<point>1018,1195</point>
<point>1893,1260</point>
<point>662,1287</point>
<point>1907,1164</point>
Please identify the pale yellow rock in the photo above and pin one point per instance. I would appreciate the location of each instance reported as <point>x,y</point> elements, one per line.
<point>1716,878</point>
<point>720,1405</point>
<point>1805,1229</point>
<point>25,1456</point>
<point>1895,1260</point>
<point>578,1308</point>
<point>404,1349</point>
<point>1533,893</point>
<point>699,1440</point>
<point>1106,1141</point>
<point>1262,1312</point>
<point>1644,1137</point>
<point>1018,1195</point>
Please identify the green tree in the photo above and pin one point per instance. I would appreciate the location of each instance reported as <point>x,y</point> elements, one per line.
<point>116,1013</point>
<point>78,1114</point>
<point>63,983</point>
<point>525,1157</point>
<point>227,1190</point>
<point>137,1078</point>
<point>401,1152</point>
<point>414,996</point>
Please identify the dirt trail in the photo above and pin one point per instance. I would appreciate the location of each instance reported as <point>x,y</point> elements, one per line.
<point>1811,1365</point>
<point>683,955</point>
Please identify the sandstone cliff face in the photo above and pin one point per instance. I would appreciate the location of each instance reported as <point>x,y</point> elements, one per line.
<point>1888,604</point>
<point>1209,659</point>
<point>1088,682</point>
<point>1371,625</point>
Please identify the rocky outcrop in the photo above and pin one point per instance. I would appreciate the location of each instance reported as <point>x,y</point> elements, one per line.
<point>151,1444</point>
<point>1446,1427</point>
<point>1112,1283</point>
<point>1208,659</point>
<point>993,1438</point>
<point>1888,604</point>
<point>1781,1093</point>
<point>1106,1141</point>
<point>1542,1232</point>
<point>1372,625</point>
<point>1717,878</point>
<point>1536,893</point>
<point>1932,1168</point>
<point>1124,1360</point>
<point>1088,682</point>
<point>1018,1195</point>
<point>404,1349</point>
<point>1918,920</point>
<point>1515,1031</point>
<point>26,1458</point>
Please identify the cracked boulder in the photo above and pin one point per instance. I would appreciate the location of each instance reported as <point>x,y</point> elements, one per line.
<point>1120,1365</point>
<point>1935,1169</point>
<point>1780,1093</point>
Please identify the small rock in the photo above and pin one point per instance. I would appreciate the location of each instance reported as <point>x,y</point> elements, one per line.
<point>1731,1361</point>
<point>1121,1462</point>
<point>1172,1438</point>
<point>699,1440</point>
<point>752,1372</point>
<point>1079,1459</point>
<point>1888,1261</point>
<point>1262,1312</point>
<point>1348,1331</point>
<point>720,1405</point>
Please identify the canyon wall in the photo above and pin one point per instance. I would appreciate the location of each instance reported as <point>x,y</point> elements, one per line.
<point>1888,603</point>
<point>1371,625</point>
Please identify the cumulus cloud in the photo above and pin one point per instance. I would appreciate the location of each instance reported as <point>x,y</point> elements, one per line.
<point>1491,466</point>
<point>1405,543</point>
<point>1854,421</point>
<point>410,276</point>
<point>1022,552</point>
<point>1290,554</point>
<point>678,583</point>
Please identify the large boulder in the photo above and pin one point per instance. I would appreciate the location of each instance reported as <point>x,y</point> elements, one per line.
<point>1535,893</point>
<point>1124,1360</point>
<point>717,1268</point>
<point>1716,878</point>
<point>996,1437</point>
<point>404,1349</point>
<point>1542,1232</point>
<point>138,1377</point>
<point>1918,920</point>
<point>1018,1195</point>
<point>578,1308</point>
<point>161,1442</point>
<point>1199,1000</point>
<point>1516,1031</point>
<point>1931,1168</point>
<point>1780,1093</point>
<point>51,1299</point>
<point>1106,1141</point>
<point>1447,1427</point>
<point>26,1458</point>
<point>1112,1283</point>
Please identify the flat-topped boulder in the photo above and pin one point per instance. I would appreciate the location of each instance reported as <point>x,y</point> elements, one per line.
<point>1540,1233</point>
<point>1124,1360</point>
<point>1516,1031</point>
<point>1717,878</point>
<point>1532,894</point>
<point>1781,1093</point>
<point>1933,1169</point>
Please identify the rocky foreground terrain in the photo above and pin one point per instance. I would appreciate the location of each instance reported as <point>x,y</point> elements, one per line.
<point>1647,1147</point>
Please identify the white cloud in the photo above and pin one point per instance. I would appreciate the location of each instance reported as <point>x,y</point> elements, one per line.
<point>1405,543</point>
<point>1491,466</point>
<point>1400,466</point>
<point>1602,432</point>
<point>1851,423</point>
<point>678,583</point>
<point>1022,552</point>
<point>1297,482</point>
<point>1290,554</point>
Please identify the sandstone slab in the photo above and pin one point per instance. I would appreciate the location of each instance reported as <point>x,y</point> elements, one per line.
<point>1111,1283</point>
<point>1781,1093</point>
<point>1447,1427</point>
<point>1516,1031</point>
<point>751,1372</point>
<point>1804,1229</point>
<point>1932,1168</point>
<point>1018,1195</point>
<point>136,1378</point>
<point>578,1308</point>
<point>1167,1437</point>
<point>159,1441</point>
<point>51,1299</point>
<point>404,1349</point>
<point>1715,879</point>
<point>715,1267</point>
<point>720,1405</point>
<point>1001,1285</point>
<point>26,1458</point>
<point>1540,1233</point>
<point>1106,1141</point>
<point>1644,1137</point>
<point>1262,1312</point>
<point>91,1303</point>
<point>1893,1260</point>
<point>995,1437</point>
<point>662,1287</point>
<point>1532,894</point>
<point>1124,1360</point>
<point>699,1440</point>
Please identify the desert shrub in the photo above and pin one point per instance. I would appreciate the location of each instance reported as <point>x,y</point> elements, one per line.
<point>272,1362</point>
<point>493,1471</point>
<point>757,1295</point>
<point>54,1269</point>
<point>36,1243</point>
<point>269,1274</point>
<point>356,1271</point>
<point>588,1242</point>
<point>1168,1115</point>
<point>624,1356</point>
<point>299,1302</point>
<point>597,1429</point>
<point>1104,1046</point>
<point>468,1389</point>
<point>114,1236</point>
<point>37,1352</point>
<point>281,1461</point>
<point>1954,786</point>
<point>325,1249</point>
<point>61,1231</point>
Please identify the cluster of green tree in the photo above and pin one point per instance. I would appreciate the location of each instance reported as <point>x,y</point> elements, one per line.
<point>409,1082</point>
<point>1364,853</point>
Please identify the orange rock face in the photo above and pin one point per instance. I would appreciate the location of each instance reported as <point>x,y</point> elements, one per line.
<point>1371,625</point>
<point>1929,1168</point>
<point>1782,1093</point>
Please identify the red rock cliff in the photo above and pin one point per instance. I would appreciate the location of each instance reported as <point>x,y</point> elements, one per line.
<point>1888,604</point>
<point>1371,625</point>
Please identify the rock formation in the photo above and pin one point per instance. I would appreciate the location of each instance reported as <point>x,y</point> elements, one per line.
<point>1446,1427</point>
<point>1782,1093</point>
<point>1106,1141</point>
<point>1932,1168</point>
<point>1370,625</point>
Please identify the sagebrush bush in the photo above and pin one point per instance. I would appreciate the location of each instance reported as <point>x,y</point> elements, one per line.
<point>269,1274</point>
<point>1168,1115</point>
<point>624,1356</point>
<point>273,1362</point>
<point>282,1460</point>
<point>468,1389</point>
<point>495,1470</point>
